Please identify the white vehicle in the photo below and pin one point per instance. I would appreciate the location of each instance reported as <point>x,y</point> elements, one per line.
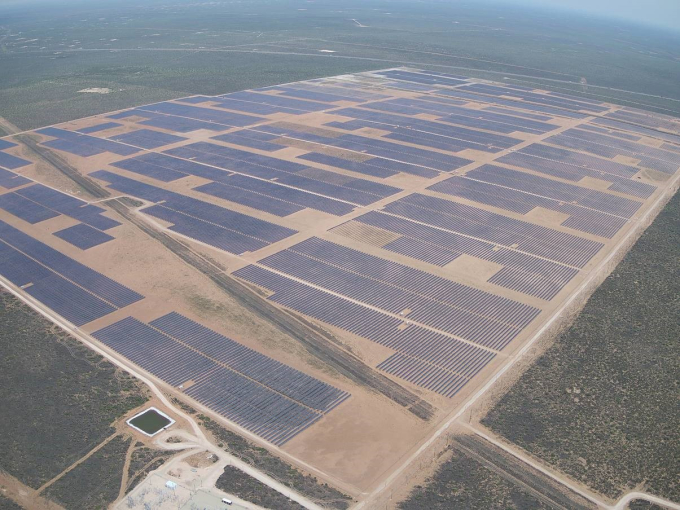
<point>226,501</point>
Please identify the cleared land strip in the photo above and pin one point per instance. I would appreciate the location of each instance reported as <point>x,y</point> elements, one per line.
<point>13,490</point>
<point>551,492</point>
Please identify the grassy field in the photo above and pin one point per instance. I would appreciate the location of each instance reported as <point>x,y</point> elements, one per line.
<point>8,504</point>
<point>95,483</point>
<point>59,399</point>
<point>146,52</point>
<point>601,403</point>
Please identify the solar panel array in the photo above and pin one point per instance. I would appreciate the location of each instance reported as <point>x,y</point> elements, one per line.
<point>610,147</point>
<point>83,236</point>
<point>67,205</point>
<point>589,211</point>
<point>496,228</point>
<point>10,180</point>
<point>147,138</point>
<point>99,127</point>
<point>83,144</point>
<point>522,271</point>
<point>214,225</point>
<point>327,184</point>
<point>255,391</point>
<point>573,166</point>
<point>445,353</point>
<point>73,290</point>
<point>8,161</point>
<point>364,136</point>
<point>406,159</point>
<point>37,203</point>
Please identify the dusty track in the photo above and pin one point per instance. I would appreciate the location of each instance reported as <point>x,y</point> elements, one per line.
<point>551,492</point>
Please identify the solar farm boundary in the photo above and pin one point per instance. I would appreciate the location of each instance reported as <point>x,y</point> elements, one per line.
<point>200,438</point>
<point>473,165</point>
<point>570,306</point>
<point>403,67</point>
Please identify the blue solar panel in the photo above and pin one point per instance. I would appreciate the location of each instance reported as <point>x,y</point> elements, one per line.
<point>71,302</point>
<point>364,167</point>
<point>68,205</point>
<point>213,235</point>
<point>197,99</point>
<point>493,228</point>
<point>91,280</point>
<point>182,125</point>
<point>250,199</point>
<point>18,268</point>
<point>517,113</point>
<point>202,114</point>
<point>209,223</point>
<point>440,351</point>
<point>423,78</point>
<point>252,139</point>
<point>313,95</point>
<point>255,108</point>
<point>147,138</point>
<point>258,393</point>
<point>256,366</point>
<point>10,180</point>
<point>12,162</point>
<point>357,191</point>
<point>140,167</point>
<point>83,143</point>
<point>299,199</point>
<point>464,93</point>
<point>73,148</point>
<point>355,94</point>
<point>99,127</point>
<point>416,87</point>
<point>5,144</point>
<point>25,209</point>
<point>469,138</point>
<point>279,101</point>
<point>59,294</point>
<point>573,104</point>
<point>83,236</point>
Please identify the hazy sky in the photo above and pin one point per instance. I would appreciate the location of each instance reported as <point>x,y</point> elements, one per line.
<point>665,13</point>
<point>656,12</point>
